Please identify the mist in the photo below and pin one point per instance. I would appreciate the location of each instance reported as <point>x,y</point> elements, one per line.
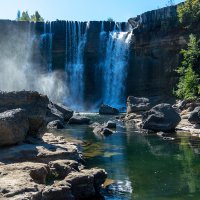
<point>19,69</point>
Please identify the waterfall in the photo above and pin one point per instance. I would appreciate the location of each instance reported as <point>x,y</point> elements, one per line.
<point>76,36</point>
<point>46,42</point>
<point>115,67</point>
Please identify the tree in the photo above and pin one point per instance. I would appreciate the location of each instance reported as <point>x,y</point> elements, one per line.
<point>37,17</point>
<point>18,15</point>
<point>110,19</point>
<point>188,87</point>
<point>25,16</point>
<point>189,11</point>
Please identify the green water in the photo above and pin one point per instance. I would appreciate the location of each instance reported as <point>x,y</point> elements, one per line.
<point>142,167</point>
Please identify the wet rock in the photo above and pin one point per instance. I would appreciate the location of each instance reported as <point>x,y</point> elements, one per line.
<point>102,130</point>
<point>194,117</point>
<point>57,124</point>
<point>79,120</point>
<point>110,124</point>
<point>108,110</point>
<point>135,104</point>
<point>14,126</point>
<point>161,118</point>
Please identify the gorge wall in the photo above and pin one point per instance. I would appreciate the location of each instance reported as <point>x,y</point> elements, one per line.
<point>88,63</point>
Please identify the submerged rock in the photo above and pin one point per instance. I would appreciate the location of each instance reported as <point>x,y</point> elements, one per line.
<point>108,110</point>
<point>161,118</point>
<point>135,104</point>
<point>79,120</point>
<point>110,124</point>
<point>14,126</point>
<point>194,117</point>
<point>57,124</point>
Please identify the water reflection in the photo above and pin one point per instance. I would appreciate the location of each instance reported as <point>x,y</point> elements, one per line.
<point>142,167</point>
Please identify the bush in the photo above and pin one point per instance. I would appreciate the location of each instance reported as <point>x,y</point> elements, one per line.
<point>189,11</point>
<point>188,86</point>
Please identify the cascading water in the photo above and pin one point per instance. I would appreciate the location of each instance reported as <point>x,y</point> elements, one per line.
<point>46,41</point>
<point>76,36</point>
<point>115,67</point>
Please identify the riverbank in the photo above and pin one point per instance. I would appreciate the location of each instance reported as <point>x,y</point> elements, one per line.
<point>35,164</point>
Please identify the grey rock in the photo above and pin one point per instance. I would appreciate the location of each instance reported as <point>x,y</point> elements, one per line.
<point>34,103</point>
<point>110,124</point>
<point>194,117</point>
<point>14,126</point>
<point>161,118</point>
<point>57,124</point>
<point>79,120</point>
<point>135,104</point>
<point>67,113</point>
<point>102,130</point>
<point>108,110</point>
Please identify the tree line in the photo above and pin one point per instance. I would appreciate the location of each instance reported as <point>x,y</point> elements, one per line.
<point>24,16</point>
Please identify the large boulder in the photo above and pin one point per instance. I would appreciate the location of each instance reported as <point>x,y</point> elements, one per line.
<point>79,120</point>
<point>34,103</point>
<point>194,117</point>
<point>108,110</point>
<point>14,126</point>
<point>162,117</point>
<point>135,104</point>
<point>67,113</point>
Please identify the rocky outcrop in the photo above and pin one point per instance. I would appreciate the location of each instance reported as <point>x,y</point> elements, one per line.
<point>33,103</point>
<point>136,104</point>
<point>79,120</point>
<point>194,117</point>
<point>14,126</point>
<point>108,110</point>
<point>48,148</point>
<point>104,129</point>
<point>161,118</point>
<point>36,181</point>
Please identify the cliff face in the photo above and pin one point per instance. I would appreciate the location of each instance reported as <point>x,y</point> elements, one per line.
<point>153,57</point>
<point>156,43</point>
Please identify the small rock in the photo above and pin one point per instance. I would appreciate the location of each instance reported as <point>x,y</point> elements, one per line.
<point>110,124</point>
<point>79,120</point>
<point>108,110</point>
<point>57,124</point>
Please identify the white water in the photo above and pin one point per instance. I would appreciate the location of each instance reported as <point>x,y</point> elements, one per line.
<point>115,67</point>
<point>74,67</point>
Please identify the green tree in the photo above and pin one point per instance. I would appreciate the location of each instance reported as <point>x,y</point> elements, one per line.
<point>189,11</point>
<point>188,86</point>
<point>110,19</point>
<point>25,16</point>
<point>37,17</point>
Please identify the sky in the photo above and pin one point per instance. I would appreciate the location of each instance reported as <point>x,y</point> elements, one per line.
<point>80,10</point>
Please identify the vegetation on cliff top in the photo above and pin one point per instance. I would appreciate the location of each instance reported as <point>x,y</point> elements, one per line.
<point>188,87</point>
<point>25,17</point>
<point>189,12</point>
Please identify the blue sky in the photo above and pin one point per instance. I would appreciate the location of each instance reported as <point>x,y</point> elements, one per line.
<point>80,10</point>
